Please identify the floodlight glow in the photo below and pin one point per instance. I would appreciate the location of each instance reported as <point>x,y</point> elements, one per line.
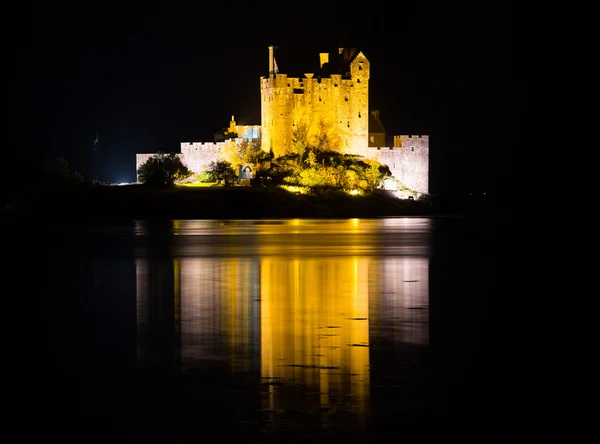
<point>294,189</point>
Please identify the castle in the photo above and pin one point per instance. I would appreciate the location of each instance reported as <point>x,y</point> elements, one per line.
<point>330,103</point>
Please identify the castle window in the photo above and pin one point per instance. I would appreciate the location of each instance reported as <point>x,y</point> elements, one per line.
<point>359,114</point>
<point>320,100</point>
<point>360,67</point>
<point>335,85</point>
<point>357,80</point>
<point>346,97</point>
<point>348,124</point>
<point>412,148</point>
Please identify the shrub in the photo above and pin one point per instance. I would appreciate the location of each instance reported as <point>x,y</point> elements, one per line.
<point>163,170</point>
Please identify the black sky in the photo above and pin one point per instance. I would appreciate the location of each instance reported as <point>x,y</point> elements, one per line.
<point>147,76</point>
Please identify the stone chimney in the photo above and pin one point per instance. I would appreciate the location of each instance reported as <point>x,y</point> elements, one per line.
<point>324,56</point>
<point>271,60</point>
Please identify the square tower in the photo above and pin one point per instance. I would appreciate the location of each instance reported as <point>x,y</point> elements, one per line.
<point>327,107</point>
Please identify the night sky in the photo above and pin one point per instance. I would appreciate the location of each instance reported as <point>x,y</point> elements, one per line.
<point>148,76</point>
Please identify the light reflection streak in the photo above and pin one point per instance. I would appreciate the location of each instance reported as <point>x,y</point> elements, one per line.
<point>301,312</point>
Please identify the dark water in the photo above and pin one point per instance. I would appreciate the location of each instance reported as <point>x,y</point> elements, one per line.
<point>353,330</point>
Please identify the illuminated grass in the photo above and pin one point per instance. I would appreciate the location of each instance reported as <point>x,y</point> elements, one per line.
<point>294,189</point>
<point>198,184</point>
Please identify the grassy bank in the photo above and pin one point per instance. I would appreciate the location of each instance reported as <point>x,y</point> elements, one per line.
<point>140,202</point>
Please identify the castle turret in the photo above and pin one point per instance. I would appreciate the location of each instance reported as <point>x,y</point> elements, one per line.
<point>360,71</point>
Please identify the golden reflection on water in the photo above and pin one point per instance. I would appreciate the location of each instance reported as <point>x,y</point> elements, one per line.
<point>315,331</point>
<point>302,322</point>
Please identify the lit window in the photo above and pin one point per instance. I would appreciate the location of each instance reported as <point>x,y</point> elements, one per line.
<point>372,139</point>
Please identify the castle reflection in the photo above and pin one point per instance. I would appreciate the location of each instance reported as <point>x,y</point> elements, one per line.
<point>300,304</point>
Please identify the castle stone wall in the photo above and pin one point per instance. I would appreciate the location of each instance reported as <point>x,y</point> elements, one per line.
<point>198,156</point>
<point>408,163</point>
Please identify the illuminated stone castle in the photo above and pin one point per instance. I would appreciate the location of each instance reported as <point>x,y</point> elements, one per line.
<point>329,104</point>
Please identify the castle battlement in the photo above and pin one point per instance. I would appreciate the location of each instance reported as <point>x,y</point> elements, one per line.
<point>202,146</point>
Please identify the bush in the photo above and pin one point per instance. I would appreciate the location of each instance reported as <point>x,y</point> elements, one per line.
<point>163,170</point>
<point>58,172</point>
<point>204,177</point>
<point>222,171</point>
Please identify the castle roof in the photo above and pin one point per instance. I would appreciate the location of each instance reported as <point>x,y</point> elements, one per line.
<point>339,62</point>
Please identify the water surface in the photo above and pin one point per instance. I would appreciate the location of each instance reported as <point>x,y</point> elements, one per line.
<point>257,330</point>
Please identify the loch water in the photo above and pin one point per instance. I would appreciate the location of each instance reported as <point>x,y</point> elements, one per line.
<point>283,330</point>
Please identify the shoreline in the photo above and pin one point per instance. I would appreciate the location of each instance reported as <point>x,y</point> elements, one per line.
<point>113,203</point>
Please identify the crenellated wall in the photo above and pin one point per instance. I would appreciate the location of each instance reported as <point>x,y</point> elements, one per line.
<point>198,156</point>
<point>409,162</point>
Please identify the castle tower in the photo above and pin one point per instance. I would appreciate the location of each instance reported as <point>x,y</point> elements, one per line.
<point>360,70</point>
<point>330,106</point>
<point>276,109</point>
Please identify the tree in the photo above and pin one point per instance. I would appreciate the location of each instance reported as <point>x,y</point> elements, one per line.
<point>300,140</point>
<point>58,172</point>
<point>240,151</point>
<point>326,136</point>
<point>222,171</point>
<point>163,170</point>
<point>57,169</point>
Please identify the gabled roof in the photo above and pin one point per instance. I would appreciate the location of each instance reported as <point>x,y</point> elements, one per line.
<point>339,62</point>
<point>295,65</point>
